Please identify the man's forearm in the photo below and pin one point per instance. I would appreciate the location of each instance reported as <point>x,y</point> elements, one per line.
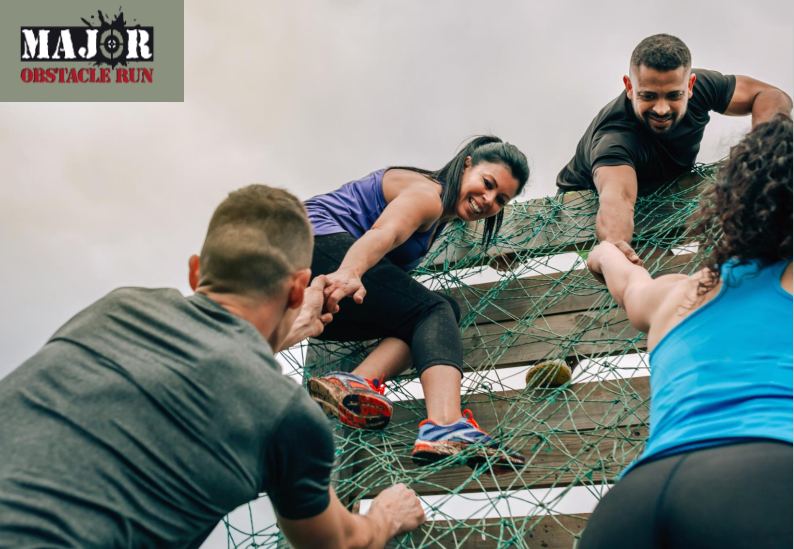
<point>297,333</point>
<point>367,532</point>
<point>615,218</point>
<point>768,103</point>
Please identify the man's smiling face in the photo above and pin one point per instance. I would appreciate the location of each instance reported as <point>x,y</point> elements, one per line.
<point>659,98</point>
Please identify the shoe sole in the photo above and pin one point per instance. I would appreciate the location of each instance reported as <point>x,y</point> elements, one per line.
<point>548,374</point>
<point>427,453</point>
<point>356,410</point>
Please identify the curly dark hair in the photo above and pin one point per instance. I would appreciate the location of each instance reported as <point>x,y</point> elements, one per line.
<point>746,215</point>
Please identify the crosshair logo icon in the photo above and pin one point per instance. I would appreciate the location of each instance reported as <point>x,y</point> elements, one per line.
<point>111,44</point>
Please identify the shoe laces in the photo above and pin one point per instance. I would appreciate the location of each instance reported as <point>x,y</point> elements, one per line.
<point>469,417</point>
<point>377,385</point>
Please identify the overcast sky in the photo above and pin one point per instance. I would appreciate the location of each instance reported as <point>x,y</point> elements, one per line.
<point>308,95</point>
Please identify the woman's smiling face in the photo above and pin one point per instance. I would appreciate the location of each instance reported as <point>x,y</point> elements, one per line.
<point>485,189</point>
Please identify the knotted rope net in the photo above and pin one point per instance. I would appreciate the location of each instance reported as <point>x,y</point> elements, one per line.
<point>546,306</point>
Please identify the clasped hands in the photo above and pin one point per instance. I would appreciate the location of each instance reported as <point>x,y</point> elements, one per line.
<point>321,301</point>
<point>595,257</point>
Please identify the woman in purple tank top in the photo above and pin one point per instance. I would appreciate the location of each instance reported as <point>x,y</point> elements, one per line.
<point>367,235</point>
<point>716,471</point>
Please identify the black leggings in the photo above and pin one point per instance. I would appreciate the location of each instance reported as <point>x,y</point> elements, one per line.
<point>723,497</point>
<point>395,306</point>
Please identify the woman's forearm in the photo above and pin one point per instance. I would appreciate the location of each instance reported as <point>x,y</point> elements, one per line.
<point>619,272</point>
<point>367,251</point>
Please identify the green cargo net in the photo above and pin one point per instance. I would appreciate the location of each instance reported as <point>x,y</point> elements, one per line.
<point>546,306</point>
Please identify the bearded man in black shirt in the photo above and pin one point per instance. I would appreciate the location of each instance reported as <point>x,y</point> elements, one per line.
<point>649,135</point>
<point>652,133</point>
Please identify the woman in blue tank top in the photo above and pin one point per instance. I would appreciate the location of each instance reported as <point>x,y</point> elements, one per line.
<point>368,234</point>
<point>717,468</point>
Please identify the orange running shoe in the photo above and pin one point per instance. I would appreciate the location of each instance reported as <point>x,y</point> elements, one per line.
<point>357,402</point>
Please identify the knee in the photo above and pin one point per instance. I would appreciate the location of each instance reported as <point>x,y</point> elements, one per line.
<point>453,304</point>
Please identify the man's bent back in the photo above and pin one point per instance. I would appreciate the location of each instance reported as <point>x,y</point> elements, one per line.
<point>144,420</point>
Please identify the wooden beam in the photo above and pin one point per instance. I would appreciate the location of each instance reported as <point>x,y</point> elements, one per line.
<point>598,332</point>
<point>583,406</point>
<point>547,532</point>
<point>553,293</point>
<point>581,333</point>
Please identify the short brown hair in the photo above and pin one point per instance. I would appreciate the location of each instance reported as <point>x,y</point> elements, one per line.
<point>257,237</point>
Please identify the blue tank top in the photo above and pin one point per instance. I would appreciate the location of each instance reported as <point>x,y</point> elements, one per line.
<point>724,374</point>
<point>355,207</point>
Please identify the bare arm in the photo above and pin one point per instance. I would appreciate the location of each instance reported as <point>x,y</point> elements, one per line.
<point>311,321</point>
<point>412,208</point>
<point>631,285</point>
<point>758,98</point>
<point>617,194</point>
<point>395,511</point>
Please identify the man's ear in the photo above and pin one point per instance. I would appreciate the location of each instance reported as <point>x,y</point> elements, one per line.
<point>297,287</point>
<point>194,268</point>
<point>627,84</point>
<point>691,84</point>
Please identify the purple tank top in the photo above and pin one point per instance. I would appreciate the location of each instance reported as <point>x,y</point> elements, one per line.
<point>354,208</point>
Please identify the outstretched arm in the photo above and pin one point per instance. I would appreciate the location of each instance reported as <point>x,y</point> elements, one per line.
<point>617,193</point>
<point>631,285</point>
<point>311,321</point>
<point>412,208</point>
<point>758,98</point>
<point>395,511</point>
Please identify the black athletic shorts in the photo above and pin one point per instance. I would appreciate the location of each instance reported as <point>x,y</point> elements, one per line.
<point>396,305</point>
<point>725,497</point>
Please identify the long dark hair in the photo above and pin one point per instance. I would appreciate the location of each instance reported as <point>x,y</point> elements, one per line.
<point>483,148</point>
<point>746,215</point>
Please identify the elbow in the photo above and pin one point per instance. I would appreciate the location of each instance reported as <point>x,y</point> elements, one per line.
<point>637,317</point>
<point>773,99</point>
<point>783,98</point>
<point>788,103</point>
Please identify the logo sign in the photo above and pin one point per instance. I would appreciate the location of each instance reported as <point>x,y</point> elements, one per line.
<point>108,43</point>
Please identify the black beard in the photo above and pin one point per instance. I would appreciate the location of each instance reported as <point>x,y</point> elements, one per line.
<point>647,119</point>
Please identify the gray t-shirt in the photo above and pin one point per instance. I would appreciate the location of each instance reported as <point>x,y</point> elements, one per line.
<point>145,419</point>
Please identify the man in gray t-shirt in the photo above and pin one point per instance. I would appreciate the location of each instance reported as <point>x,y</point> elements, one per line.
<point>149,416</point>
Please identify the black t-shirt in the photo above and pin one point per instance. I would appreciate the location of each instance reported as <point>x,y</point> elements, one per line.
<point>148,417</point>
<point>617,138</point>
